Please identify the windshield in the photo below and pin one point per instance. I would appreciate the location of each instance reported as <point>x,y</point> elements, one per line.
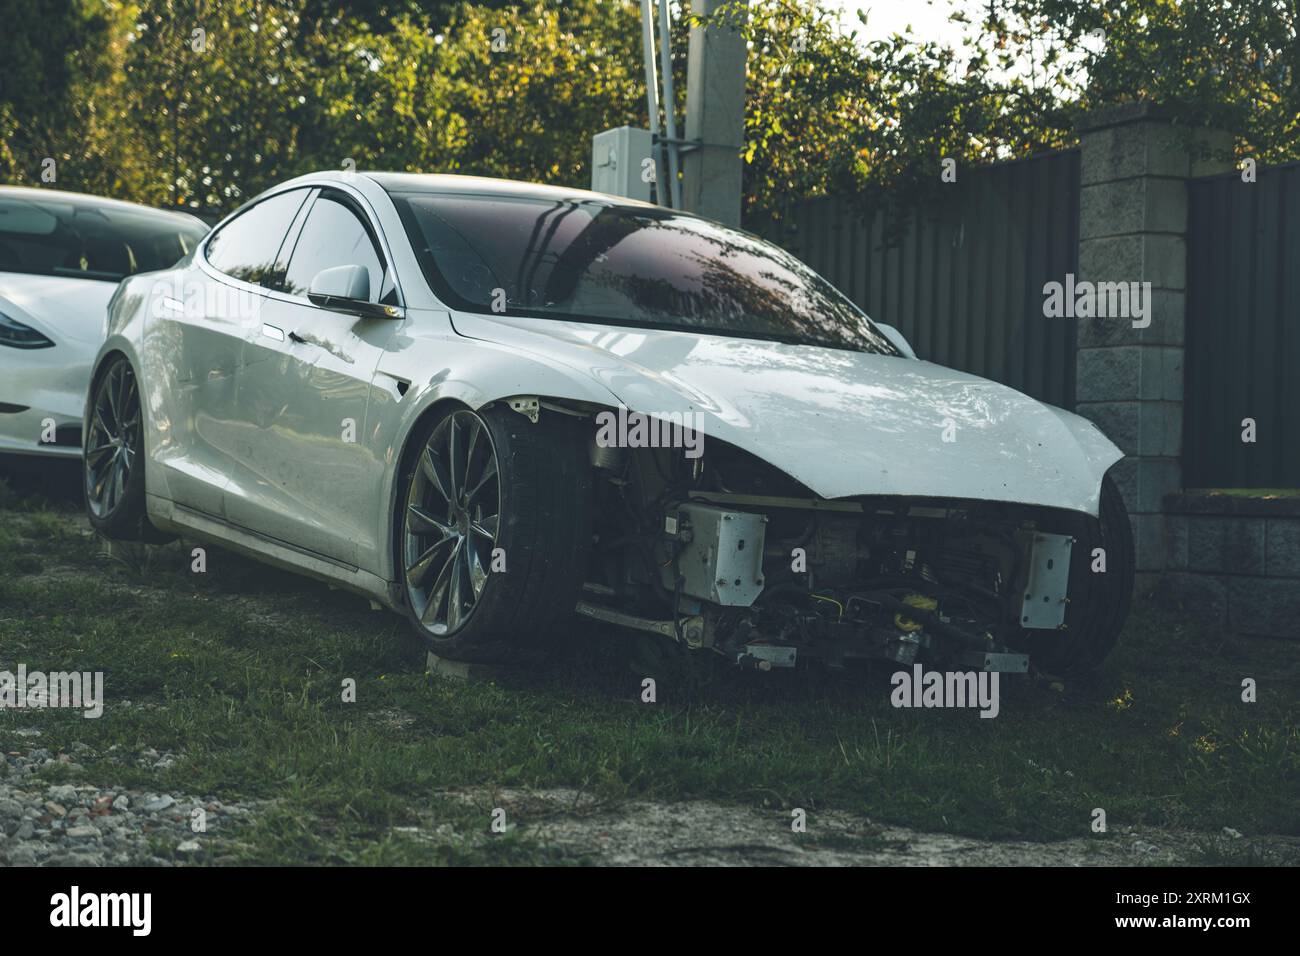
<point>61,237</point>
<point>580,260</point>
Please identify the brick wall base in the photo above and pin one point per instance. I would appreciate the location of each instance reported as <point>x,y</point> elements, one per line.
<point>1235,560</point>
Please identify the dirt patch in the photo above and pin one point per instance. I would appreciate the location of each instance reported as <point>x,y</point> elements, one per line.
<point>704,833</point>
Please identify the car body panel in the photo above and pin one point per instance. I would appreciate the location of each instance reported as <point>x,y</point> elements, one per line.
<point>171,517</point>
<point>933,431</point>
<point>291,441</point>
<point>164,323</point>
<point>51,382</point>
<point>299,459</point>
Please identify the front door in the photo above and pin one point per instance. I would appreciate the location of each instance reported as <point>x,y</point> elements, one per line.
<point>306,472</point>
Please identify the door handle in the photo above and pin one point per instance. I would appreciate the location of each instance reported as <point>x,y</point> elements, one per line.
<point>271,332</point>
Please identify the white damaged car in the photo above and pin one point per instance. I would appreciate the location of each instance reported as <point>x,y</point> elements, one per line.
<point>61,256</point>
<point>490,405</point>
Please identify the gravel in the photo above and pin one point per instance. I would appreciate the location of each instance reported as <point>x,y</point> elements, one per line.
<point>44,824</point>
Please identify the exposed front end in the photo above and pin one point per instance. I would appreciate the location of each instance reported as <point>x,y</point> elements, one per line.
<point>729,555</point>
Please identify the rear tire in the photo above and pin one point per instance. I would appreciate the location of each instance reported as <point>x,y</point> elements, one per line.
<point>112,469</point>
<point>534,515</point>
<point>1099,601</point>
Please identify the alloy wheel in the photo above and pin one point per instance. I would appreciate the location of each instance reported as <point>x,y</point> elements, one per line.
<point>113,440</point>
<point>450,523</point>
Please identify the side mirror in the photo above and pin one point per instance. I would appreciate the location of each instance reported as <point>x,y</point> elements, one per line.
<point>896,339</point>
<point>347,289</point>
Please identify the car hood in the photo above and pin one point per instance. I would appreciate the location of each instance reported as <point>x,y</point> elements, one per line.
<point>63,309</point>
<point>842,423</point>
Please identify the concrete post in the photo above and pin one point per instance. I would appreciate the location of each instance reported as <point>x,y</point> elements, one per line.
<point>715,116</point>
<point>1132,229</point>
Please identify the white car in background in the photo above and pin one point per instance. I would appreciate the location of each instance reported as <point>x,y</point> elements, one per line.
<point>62,255</point>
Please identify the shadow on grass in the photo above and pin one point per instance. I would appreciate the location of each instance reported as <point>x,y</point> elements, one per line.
<point>33,483</point>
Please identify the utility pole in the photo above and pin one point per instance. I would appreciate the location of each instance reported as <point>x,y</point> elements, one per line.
<point>651,80</point>
<point>671,144</point>
<point>709,155</point>
<point>715,117</point>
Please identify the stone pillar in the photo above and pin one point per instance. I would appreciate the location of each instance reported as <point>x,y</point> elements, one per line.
<point>1132,229</point>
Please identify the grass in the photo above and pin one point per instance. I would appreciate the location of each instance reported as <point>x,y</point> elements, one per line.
<point>240,672</point>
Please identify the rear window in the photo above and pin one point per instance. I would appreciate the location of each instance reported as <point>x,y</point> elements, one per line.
<point>60,237</point>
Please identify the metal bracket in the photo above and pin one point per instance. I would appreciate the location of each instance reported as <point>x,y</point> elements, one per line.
<point>1047,585</point>
<point>1001,661</point>
<point>765,656</point>
<point>693,626</point>
<point>527,405</point>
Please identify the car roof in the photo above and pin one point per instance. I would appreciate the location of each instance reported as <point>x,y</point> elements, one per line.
<point>87,199</point>
<point>478,185</point>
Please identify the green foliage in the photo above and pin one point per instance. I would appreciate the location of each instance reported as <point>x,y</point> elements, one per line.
<point>829,114</point>
<point>56,77</point>
<point>1234,65</point>
<point>274,89</point>
<point>119,95</point>
<point>446,101</point>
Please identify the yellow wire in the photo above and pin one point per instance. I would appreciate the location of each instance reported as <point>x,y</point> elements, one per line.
<point>822,597</point>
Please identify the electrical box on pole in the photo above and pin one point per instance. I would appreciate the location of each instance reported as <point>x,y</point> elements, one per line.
<point>622,162</point>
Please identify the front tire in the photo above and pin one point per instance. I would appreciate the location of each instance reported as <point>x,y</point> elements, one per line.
<point>493,531</point>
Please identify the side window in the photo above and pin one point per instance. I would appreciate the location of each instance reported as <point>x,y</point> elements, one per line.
<point>245,247</point>
<point>333,236</point>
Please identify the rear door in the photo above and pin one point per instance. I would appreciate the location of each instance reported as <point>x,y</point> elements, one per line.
<point>199,324</point>
<point>307,472</point>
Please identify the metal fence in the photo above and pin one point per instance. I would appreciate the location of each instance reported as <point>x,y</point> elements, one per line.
<point>1243,330</point>
<point>963,282</point>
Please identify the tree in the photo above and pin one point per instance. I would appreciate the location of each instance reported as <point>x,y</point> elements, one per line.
<point>134,101</point>
<point>829,114</point>
<point>55,90</point>
<point>1233,65</point>
<point>514,93</point>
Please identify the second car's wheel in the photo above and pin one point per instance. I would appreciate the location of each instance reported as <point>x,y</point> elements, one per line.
<point>492,531</point>
<point>113,461</point>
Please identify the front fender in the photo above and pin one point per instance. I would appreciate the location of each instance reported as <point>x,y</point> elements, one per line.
<point>1100,452</point>
<point>424,370</point>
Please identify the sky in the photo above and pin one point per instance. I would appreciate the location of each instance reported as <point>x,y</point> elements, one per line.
<point>929,21</point>
<point>929,18</point>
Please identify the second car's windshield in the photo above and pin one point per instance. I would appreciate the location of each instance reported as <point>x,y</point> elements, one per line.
<point>627,265</point>
<point>58,237</point>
